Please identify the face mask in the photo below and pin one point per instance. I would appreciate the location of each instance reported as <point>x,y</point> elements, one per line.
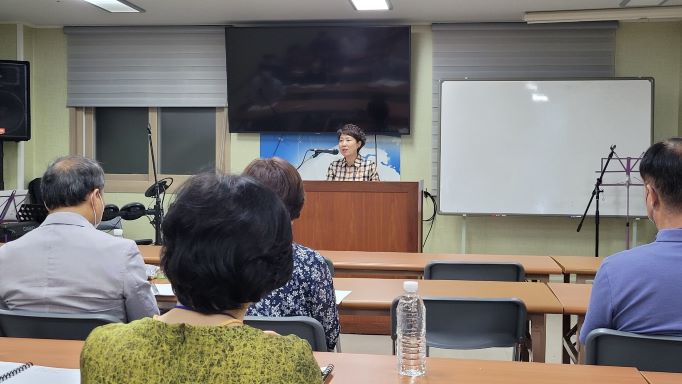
<point>646,198</point>
<point>94,213</point>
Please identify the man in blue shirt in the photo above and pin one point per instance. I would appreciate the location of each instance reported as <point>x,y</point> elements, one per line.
<point>640,290</point>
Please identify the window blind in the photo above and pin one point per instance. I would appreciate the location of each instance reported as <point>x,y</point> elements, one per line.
<point>146,67</point>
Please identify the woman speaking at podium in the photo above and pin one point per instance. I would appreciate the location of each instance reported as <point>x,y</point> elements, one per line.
<point>352,167</point>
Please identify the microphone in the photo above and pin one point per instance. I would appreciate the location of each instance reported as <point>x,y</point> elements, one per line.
<point>316,152</point>
<point>151,191</point>
<point>110,212</point>
<point>132,211</point>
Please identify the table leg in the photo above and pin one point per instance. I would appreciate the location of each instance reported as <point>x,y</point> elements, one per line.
<point>581,348</point>
<point>538,332</point>
<point>565,328</point>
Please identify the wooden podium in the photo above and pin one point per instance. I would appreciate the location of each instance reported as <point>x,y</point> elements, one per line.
<point>361,216</point>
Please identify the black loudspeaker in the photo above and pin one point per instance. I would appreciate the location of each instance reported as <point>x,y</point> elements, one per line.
<point>15,109</point>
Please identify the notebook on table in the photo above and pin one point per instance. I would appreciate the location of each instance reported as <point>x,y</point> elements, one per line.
<point>27,373</point>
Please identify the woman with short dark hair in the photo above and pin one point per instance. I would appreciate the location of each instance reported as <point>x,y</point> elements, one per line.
<point>352,167</point>
<point>310,291</point>
<point>227,244</point>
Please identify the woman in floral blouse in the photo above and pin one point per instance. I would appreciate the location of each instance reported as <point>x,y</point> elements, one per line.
<point>310,291</point>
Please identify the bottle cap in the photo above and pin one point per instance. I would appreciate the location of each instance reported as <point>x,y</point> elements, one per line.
<point>118,232</point>
<point>410,286</point>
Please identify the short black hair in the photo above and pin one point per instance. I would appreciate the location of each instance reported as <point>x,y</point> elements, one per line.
<point>662,167</point>
<point>280,176</point>
<point>353,131</point>
<point>68,180</point>
<point>227,242</point>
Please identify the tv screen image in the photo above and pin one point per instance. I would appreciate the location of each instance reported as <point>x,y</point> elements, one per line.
<point>315,79</point>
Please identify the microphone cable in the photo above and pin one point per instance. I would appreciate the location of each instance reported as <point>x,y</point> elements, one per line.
<point>280,139</point>
<point>304,159</point>
<point>432,219</point>
<point>376,152</point>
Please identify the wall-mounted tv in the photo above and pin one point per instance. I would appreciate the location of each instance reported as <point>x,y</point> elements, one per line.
<point>317,78</point>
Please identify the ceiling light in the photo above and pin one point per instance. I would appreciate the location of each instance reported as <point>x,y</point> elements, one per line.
<point>371,5</point>
<point>116,6</point>
<point>540,98</point>
<point>635,13</point>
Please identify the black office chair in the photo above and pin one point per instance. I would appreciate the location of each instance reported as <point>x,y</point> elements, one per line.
<point>42,325</point>
<point>455,270</point>
<point>644,352</point>
<point>304,327</point>
<point>330,264</point>
<point>468,323</point>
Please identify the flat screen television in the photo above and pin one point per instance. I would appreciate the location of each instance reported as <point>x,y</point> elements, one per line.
<point>317,78</point>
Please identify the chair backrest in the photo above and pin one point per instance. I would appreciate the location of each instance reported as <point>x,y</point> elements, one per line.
<point>644,352</point>
<point>42,325</point>
<point>471,323</point>
<point>304,327</point>
<point>453,270</point>
<point>330,264</point>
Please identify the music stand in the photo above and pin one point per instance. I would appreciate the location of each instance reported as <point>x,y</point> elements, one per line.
<point>628,167</point>
<point>5,208</point>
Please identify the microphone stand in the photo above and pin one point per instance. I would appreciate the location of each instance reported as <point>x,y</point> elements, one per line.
<point>595,192</point>
<point>158,209</point>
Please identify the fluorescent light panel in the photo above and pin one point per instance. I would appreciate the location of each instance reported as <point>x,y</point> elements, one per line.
<point>642,3</point>
<point>637,13</point>
<point>371,5</point>
<point>116,6</point>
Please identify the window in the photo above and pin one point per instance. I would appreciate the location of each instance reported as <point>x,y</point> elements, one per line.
<point>121,140</point>
<point>183,132</point>
<point>185,141</point>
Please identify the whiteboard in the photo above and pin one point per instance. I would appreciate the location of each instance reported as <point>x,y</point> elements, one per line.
<point>534,147</point>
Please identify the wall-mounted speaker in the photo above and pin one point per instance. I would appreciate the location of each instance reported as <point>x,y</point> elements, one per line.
<point>15,109</point>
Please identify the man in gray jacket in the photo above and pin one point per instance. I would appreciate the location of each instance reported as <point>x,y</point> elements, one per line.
<point>66,265</point>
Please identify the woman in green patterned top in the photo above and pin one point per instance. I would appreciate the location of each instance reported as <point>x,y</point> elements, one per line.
<point>227,244</point>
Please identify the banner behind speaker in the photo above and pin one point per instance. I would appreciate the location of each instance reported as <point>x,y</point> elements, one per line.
<point>15,110</point>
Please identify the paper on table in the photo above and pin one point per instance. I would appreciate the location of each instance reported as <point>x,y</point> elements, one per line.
<point>151,270</point>
<point>340,295</point>
<point>40,374</point>
<point>164,290</point>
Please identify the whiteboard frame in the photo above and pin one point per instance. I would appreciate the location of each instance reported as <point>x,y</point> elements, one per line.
<point>650,79</point>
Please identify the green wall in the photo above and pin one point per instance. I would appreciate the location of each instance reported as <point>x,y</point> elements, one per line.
<point>654,49</point>
<point>642,49</point>
<point>8,41</point>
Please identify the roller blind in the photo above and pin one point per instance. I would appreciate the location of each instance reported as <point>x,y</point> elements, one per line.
<point>146,67</point>
<point>499,51</point>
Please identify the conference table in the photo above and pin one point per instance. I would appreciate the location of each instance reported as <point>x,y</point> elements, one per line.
<point>583,267</point>
<point>151,254</point>
<point>379,369</point>
<point>407,265</point>
<point>404,265</point>
<point>662,377</point>
<point>574,298</point>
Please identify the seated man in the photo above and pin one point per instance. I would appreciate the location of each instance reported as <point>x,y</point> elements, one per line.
<point>639,290</point>
<point>66,265</point>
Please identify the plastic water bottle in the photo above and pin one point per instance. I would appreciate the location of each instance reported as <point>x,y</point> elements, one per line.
<point>411,319</point>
